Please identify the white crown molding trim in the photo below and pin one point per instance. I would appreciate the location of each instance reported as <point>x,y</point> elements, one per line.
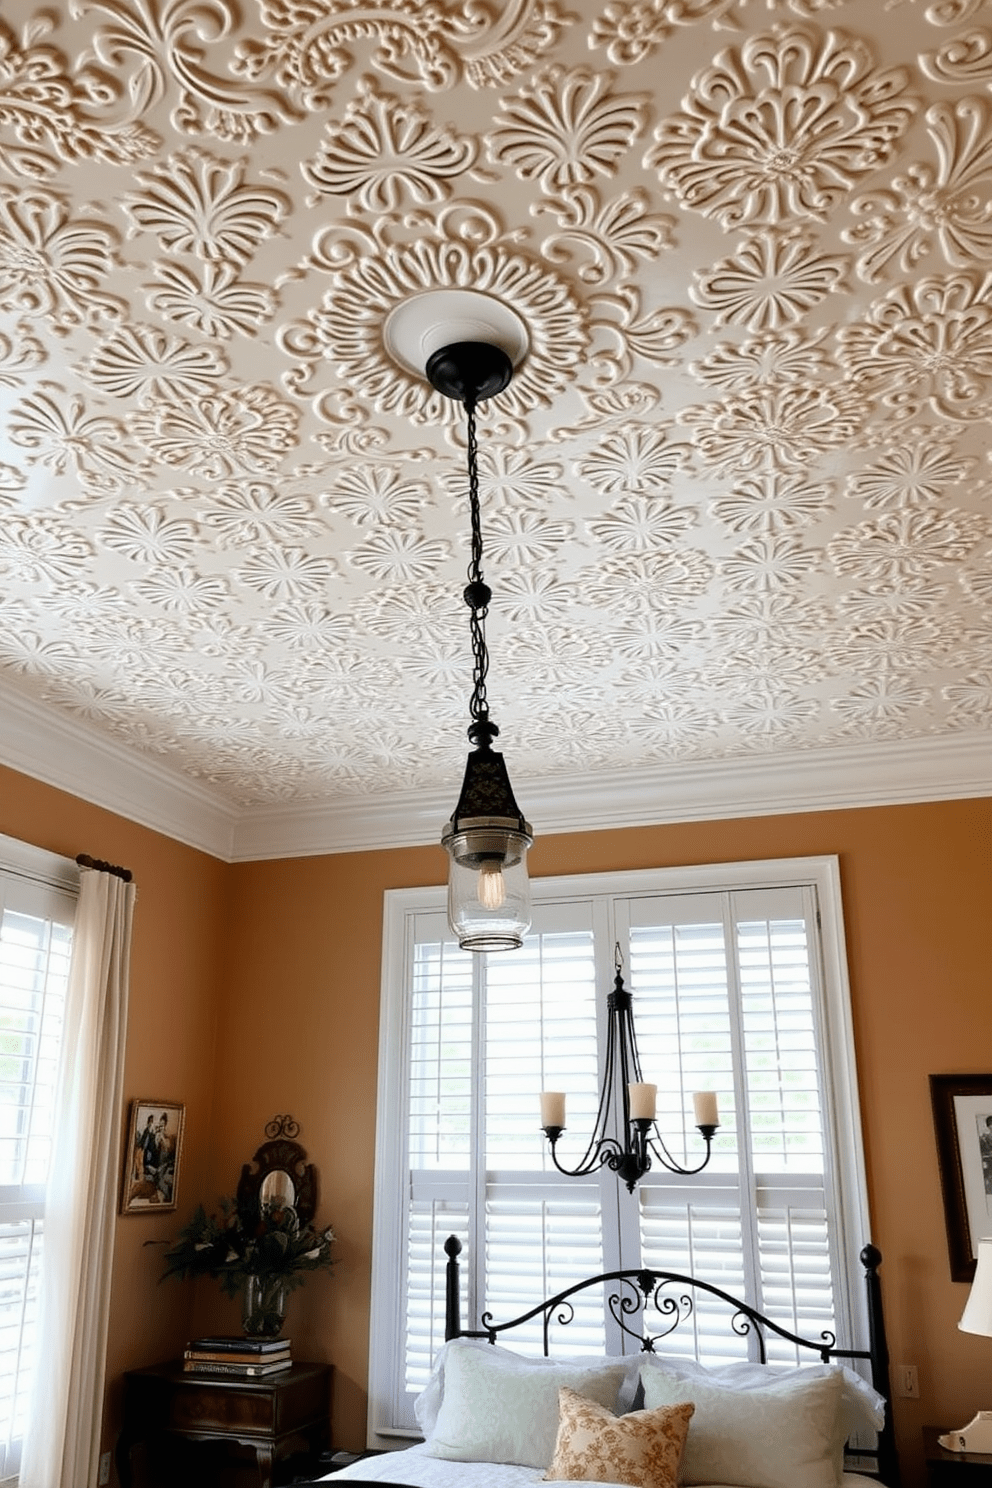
<point>954,767</point>
<point>71,755</point>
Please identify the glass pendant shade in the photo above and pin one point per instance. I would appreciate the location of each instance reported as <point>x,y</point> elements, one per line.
<point>501,923</point>
<point>487,842</point>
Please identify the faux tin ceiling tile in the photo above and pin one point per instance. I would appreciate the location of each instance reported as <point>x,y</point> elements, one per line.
<point>736,498</point>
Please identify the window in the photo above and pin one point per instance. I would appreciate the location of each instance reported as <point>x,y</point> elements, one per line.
<point>739,985</point>
<point>37,909</point>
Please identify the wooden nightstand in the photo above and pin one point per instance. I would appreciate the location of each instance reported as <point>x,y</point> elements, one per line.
<point>955,1469</point>
<point>276,1417</point>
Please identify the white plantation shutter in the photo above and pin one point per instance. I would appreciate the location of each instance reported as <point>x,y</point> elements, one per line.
<point>727,967</point>
<point>439,1142</point>
<point>539,1232</point>
<point>430,1221</point>
<point>441,1050</point>
<point>35,943</point>
<point>726,993</point>
<point>539,1242</point>
<point>697,1231</point>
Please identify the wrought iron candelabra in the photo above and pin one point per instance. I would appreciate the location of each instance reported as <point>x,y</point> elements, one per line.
<point>630,1153</point>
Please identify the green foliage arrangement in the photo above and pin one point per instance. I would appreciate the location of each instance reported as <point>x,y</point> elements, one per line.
<point>233,1246</point>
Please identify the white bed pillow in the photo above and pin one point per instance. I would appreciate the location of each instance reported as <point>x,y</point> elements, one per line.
<point>863,1407</point>
<point>783,1436</point>
<point>497,1406</point>
<point>428,1402</point>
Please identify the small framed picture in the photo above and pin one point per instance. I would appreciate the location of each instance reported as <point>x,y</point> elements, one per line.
<point>962,1118</point>
<point>151,1159</point>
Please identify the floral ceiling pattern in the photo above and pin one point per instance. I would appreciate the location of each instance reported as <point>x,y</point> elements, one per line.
<point>736,499</point>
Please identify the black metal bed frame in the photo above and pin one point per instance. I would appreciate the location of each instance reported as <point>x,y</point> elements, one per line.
<point>636,1290</point>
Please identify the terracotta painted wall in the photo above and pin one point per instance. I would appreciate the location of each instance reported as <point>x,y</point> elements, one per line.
<point>266,1000</point>
<point>299,1031</point>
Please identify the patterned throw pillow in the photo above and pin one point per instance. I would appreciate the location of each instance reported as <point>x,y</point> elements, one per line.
<point>643,1448</point>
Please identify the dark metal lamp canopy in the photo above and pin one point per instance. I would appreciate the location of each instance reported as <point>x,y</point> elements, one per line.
<point>487,837</point>
<point>630,1102</point>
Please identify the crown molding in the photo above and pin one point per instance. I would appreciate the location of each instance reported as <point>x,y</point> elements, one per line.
<point>71,755</point>
<point>954,767</point>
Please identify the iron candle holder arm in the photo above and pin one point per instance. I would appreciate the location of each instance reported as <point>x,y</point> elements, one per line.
<point>606,1152</point>
<point>705,1130</point>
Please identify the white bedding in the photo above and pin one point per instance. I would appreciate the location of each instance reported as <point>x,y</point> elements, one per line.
<point>418,1469</point>
<point>492,1418</point>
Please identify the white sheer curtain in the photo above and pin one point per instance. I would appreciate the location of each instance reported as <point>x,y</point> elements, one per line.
<point>62,1442</point>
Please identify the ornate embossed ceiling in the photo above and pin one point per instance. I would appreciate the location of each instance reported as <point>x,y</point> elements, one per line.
<point>736,500</point>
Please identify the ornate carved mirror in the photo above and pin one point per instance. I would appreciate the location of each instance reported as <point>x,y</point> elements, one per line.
<point>279,1173</point>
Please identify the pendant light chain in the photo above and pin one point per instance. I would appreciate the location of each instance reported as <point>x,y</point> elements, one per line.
<point>487,836</point>
<point>477,592</point>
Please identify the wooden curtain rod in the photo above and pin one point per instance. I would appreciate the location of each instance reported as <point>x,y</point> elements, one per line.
<point>85,861</point>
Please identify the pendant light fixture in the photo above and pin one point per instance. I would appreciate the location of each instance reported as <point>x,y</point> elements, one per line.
<point>628,1102</point>
<point>487,837</point>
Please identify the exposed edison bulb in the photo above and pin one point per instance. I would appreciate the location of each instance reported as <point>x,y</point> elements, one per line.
<point>492,889</point>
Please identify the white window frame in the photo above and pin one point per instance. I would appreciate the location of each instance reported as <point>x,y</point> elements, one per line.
<point>840,1092</point>
<point>22,863</point>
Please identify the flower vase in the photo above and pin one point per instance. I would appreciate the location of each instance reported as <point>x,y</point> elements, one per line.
<point>263,1310</point>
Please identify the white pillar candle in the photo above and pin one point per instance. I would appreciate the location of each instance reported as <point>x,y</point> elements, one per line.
<point>642,1101</point>
<point>552,1108</point>
<point>705,1106</point>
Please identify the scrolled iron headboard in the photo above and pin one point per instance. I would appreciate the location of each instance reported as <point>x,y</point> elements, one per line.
<point>637,1291</point>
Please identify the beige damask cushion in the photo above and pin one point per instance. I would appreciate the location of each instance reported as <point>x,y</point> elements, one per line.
<point>643,1448</point>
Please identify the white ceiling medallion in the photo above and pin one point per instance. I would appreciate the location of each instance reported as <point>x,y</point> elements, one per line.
<point>425,323</point>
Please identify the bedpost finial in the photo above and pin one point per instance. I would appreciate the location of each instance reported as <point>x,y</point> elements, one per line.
<point>452,1247</point>
<point>871,1258</point>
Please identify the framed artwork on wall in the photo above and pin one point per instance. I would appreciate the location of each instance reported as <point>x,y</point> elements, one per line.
<point>151,1157</point>
<point>962,1119</point>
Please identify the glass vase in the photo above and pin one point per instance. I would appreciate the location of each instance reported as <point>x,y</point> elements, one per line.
<point>263,1309</point>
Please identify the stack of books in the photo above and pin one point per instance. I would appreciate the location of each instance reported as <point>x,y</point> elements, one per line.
<point>241,1358</point>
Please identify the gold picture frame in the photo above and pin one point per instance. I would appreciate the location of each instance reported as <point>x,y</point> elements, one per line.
<point>151,1157</point>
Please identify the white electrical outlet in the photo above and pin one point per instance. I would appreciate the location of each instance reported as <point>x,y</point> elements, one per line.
<point>104,1477</point>
<point>907,1381</point>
